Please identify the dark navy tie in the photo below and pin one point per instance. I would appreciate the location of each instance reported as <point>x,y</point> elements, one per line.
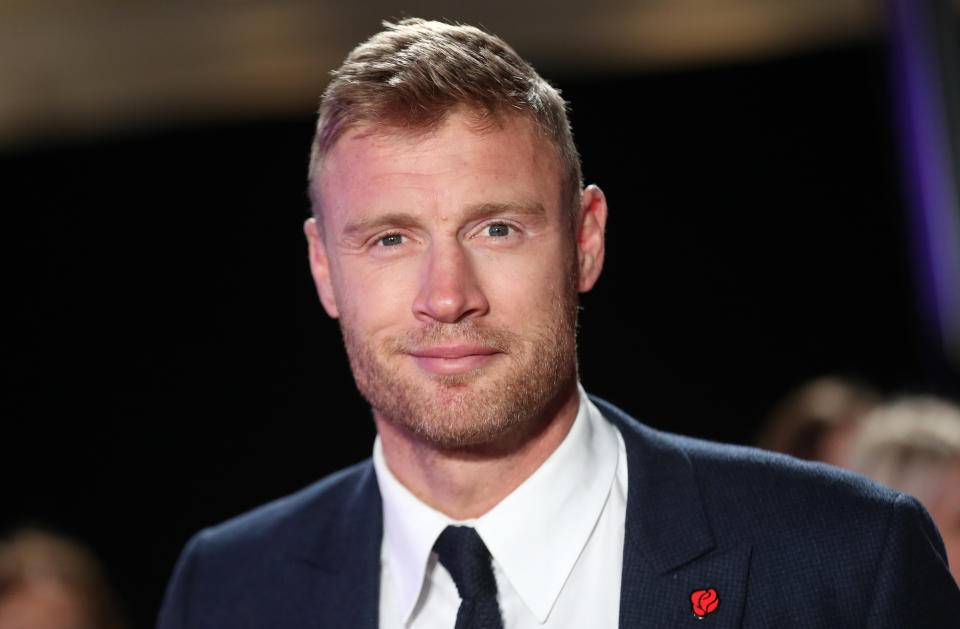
<point>467,559</point>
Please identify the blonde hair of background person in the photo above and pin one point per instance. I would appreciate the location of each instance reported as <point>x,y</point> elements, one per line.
<point>913,445</point>
<point>49,582</point>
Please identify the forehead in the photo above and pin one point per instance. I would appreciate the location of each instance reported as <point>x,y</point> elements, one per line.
<point>372,168</point>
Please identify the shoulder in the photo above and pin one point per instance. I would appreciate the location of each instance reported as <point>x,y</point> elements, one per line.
<point>765,497</point>
<point>291,525</point>
<point>297,518</point>
<point>732,476</point>
<point>840,542</point>
<point>286,551</point>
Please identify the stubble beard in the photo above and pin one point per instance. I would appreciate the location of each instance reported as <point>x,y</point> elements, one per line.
<point>484,406</point>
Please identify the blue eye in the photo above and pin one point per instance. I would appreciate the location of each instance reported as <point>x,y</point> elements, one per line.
<point>498,230</point>
<point>391,240</point>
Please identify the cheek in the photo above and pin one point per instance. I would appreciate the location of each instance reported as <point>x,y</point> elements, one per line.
<point>525,286</point>
<point>373,300</point>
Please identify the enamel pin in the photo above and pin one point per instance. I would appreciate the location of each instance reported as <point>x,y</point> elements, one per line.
<point>704,602</point>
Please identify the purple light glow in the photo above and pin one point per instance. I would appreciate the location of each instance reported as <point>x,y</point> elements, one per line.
<point>931,177</point>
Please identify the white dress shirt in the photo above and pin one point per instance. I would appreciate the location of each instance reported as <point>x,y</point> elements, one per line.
<point>556,540</point>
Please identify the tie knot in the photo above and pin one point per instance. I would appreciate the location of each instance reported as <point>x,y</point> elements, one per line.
<point>466,558</point>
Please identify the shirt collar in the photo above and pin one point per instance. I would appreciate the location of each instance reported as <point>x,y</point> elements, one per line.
<point>535,534</point>
<point>410,528</point>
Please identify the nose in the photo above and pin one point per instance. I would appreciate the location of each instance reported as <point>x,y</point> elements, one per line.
<point>450,289</point>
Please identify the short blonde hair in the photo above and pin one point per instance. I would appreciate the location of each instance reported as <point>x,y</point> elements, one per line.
<point>409,76</point>
<point>903,438</point>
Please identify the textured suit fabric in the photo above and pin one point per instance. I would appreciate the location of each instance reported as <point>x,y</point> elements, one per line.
<point>783,543</point>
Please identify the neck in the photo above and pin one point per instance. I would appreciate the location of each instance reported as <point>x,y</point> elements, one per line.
<point>465,483</point>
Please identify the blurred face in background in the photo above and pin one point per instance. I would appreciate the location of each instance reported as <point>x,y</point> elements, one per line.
<point>44,604</point>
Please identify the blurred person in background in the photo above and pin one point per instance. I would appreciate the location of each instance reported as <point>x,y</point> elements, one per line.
<point>819,421</point>
<point>49,582</point>
<point>913,445</point>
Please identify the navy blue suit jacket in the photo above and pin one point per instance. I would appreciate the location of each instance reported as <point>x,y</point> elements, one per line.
<point>783,543</point>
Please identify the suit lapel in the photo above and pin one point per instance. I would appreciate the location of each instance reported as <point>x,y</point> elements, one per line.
<point>669,550</point>
<point>341,562</point>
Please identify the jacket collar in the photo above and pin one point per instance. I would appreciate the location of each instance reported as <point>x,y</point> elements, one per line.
<point>336,547</point>
<point>670,550</point>
<point>662,498</point>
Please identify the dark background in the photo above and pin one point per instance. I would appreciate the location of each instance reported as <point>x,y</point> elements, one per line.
<point>168,365</point>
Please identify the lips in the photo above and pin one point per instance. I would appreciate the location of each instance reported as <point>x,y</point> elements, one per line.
<point>453,359</point>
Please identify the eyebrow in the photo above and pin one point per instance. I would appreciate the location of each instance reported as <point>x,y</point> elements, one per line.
<point>490,210</point>
<point>365,225</point>
<point>361,226</point>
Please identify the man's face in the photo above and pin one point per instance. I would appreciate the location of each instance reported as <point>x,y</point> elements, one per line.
<point>451,264</point>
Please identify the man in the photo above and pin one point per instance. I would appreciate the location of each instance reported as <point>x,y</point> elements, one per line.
<point>450,237</point>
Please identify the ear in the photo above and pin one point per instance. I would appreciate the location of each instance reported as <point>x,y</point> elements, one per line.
<point>590,237</point>
<point>320,266</point>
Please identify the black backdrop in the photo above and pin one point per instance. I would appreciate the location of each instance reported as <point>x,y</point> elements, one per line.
<point>168,365</point>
